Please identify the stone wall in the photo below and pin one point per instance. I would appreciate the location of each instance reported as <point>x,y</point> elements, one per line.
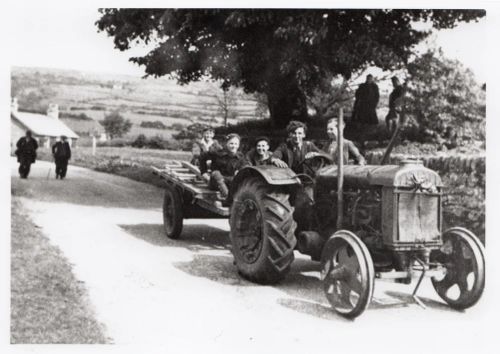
<point>441,163</point>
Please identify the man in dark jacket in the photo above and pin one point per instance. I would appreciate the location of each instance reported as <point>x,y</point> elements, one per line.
<point>395,103</point>
<point>296,149</point>
<point>225,164</point>
<point>26,154</point>
<point>366,101</point>
<point>62,153</point>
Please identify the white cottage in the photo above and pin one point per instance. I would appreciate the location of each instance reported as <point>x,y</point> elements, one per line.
<point>45,128</point>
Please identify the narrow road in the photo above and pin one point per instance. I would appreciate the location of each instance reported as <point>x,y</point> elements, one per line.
<point>148,289</point>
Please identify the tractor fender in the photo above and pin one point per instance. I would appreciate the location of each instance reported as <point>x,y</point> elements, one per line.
<point>273,175</point>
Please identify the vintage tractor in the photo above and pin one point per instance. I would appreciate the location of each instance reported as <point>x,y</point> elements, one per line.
<point>361,222</point>
<point>391,229</point>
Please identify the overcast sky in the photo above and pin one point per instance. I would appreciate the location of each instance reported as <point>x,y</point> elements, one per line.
<point>63,37</point>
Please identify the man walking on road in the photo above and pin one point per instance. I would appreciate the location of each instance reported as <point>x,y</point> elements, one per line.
<point>26,153</point>
<point>62,153</point>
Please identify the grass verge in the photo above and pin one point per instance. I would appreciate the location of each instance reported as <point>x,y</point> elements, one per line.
<point>48,304</point>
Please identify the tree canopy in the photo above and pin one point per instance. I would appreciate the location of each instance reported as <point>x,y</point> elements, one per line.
<point>115,125</point>
<point>283,53</point>
<point>444,101</point>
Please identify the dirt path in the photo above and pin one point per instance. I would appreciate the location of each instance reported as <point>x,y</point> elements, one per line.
<point>149,289</point>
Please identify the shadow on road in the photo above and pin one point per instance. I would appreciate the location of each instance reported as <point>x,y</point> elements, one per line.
<point>407,300</point>
<point>194,237</point>
<point>215,268</point>
<point>302,285</point>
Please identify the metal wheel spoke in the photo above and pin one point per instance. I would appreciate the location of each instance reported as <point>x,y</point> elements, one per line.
<point>447,282</point>
<point>463,285</point>
<point>355,284</point>
<point>345,294</point>
<point>458,251</point>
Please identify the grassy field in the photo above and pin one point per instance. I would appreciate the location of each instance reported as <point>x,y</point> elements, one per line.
<point>136,99</point>
<point>48,304</point>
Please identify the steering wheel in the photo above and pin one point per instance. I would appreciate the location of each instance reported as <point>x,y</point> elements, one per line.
<point>315,162</point>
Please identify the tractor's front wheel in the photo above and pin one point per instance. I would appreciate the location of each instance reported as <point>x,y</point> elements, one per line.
<point>262,231</point>
<point>348,274</point>
<point>462,254</point>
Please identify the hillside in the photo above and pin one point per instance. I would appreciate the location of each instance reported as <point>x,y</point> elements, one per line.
<point>137,99</point>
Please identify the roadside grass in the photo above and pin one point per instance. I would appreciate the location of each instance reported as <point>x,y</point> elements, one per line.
<point>48,304</point>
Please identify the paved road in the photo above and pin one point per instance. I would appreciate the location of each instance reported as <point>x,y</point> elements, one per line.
<point>148,289</point>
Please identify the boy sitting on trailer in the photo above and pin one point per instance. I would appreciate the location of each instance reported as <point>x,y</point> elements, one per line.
<point>205,144</point>
<point>225,164</point>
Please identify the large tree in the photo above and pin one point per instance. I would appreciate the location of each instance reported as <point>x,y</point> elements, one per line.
<point>283,53</point>
<point>444,101</point>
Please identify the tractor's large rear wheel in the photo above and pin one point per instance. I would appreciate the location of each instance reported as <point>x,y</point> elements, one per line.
<point>262,231</point>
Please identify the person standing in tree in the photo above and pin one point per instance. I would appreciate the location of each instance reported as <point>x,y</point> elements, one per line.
<point>365,105</point>
<point>62,153</point>
<point>26,153</point>
<point>395,103</point>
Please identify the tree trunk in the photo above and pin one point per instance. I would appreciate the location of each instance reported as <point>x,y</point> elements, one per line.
<point>286,102</point>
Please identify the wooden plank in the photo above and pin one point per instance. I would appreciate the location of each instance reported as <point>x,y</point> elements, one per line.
<point>191,167</point>
<point>181,170</point>
<point>200,190</point>
<point>203,196</point>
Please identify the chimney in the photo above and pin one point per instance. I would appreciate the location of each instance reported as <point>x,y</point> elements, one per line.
<point>53,111</point>
<point>13,105</point>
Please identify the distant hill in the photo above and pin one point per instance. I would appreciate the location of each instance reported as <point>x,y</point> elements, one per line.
<point>96,94</point>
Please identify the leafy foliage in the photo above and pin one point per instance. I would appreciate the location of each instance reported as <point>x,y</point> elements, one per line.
<point>115,125</point>
<point>157,124</point>
<point>445,103</point>
<point>283,53</point>
<point>191,132</point>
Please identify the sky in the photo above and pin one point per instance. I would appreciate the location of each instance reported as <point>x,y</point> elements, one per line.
<point>67,38</point>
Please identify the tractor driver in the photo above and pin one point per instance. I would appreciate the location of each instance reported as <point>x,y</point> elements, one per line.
<point>260,154</point>
<point>295,149</point>
<point>350,150</point>
<point>225,165</point>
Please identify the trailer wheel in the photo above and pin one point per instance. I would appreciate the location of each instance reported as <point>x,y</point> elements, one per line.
<point>348,274</point>
<point>172,212</point>
<point>462,255</point>
<point>262,231</point>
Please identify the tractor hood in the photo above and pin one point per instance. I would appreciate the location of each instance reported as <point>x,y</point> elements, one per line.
<point>408,173</point>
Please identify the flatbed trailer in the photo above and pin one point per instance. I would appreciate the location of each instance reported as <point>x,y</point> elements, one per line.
<point>187,196</point>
